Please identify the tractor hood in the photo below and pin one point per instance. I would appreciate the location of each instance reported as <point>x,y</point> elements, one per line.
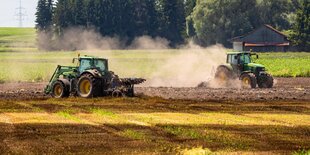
<point>254,65</point>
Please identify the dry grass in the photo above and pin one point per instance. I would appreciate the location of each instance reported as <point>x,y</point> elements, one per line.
<point>145,125</point>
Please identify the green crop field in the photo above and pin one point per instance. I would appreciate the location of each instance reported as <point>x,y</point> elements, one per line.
<point>21,61</point>
<point>17,39</point>
<point>290,64</point>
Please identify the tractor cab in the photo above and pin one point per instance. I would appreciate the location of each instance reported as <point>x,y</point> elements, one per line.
<point>90,63</point>
<point>240,58</point>
<point>242,61</point>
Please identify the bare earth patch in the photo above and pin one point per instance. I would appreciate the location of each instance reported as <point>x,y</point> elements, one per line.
<point>284,89</point>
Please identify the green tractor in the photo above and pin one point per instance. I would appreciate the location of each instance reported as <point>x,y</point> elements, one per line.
<point>240,65</point>
<point>90,78</point>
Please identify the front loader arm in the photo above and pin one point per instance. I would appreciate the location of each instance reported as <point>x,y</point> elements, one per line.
<point>60,70</point>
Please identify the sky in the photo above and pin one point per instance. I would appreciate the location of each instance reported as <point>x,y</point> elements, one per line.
<point>8,9</point>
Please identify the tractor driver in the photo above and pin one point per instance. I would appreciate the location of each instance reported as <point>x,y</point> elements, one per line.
<point>240,61</point>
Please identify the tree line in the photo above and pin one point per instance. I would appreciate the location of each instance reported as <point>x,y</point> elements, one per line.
<point>206,22</point>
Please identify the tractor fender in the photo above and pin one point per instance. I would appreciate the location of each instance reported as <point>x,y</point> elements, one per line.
<point>93,72</point>
<point>65,82</point>
<point>228,67</point>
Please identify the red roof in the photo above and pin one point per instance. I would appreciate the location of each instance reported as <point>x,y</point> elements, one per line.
<point>266,25</point>
<point>275,30</point>
<point>266,44</point>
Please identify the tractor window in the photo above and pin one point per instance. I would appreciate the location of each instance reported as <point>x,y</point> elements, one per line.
<point>245,59</point>
<point>232,59</point>
<point>84,65</point>
<point>101,64</point>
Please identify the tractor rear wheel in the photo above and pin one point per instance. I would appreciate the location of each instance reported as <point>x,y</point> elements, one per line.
<point>265,81</point>
<point>223,75</point>
<point>59,90</point>
<point>88,86</point>
<point>248,80</point>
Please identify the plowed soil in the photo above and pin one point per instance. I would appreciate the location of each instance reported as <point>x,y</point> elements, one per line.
<point>159,121</point>
<point>284,89</point>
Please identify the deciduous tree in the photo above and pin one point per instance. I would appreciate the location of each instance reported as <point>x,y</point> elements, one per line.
<point>301,29</point>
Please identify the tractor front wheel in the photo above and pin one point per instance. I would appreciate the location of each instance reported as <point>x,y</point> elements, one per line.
<point>265,81</point>
<point>59,90</point>
<point>88,86</point>
<point>248,80</point>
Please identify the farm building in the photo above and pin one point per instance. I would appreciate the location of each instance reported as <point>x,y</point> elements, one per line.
<point>264,39</point>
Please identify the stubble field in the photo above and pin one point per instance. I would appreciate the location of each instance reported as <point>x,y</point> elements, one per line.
<point>158,121</point>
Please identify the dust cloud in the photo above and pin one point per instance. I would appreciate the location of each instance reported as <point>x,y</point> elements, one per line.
<point>146,42</point>
<point>78,39</point>
<point>191,66</point>
<point>89,39</point>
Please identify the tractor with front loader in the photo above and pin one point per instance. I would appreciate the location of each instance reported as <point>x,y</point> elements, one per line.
<point>89,78</point>
<point>241,65</point>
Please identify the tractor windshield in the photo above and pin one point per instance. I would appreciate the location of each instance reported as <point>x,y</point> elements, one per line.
<point>84,65</point>
<point>245,59</point>
<point>100,64</point>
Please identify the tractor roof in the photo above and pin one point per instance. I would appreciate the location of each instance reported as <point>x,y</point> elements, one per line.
<point>235,52</point>
<point>91,57</point>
